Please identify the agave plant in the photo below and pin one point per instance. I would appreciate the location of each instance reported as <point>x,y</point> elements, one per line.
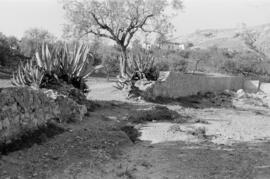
<point>47,59</point>
<point>142,64</point>
<point>56,65</point>
<point>77,62</point>
<point>28,74</point>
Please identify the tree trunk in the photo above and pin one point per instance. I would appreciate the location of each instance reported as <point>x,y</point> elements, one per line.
<point>108,76</point>
<point>259,86</point>
<point>123,63</point>
<point>196,66</point>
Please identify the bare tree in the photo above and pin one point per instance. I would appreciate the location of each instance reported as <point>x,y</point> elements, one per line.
<point>118,20</point>
<point>250,38</point>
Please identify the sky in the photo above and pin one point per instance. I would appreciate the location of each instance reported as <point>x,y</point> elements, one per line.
<point>16,16</point>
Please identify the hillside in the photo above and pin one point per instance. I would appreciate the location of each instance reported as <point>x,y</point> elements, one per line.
<point>229,38</point>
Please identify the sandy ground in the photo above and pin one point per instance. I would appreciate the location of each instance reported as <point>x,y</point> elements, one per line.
<point>5,83</point>
<point>214,142</point>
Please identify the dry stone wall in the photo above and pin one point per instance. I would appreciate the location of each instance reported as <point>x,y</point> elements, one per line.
<point>25,109</point>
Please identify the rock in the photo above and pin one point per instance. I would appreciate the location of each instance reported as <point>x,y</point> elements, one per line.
<point>70,111</point>
<point>240,93</point>
<point>145,88</point>
<point>51,93</point>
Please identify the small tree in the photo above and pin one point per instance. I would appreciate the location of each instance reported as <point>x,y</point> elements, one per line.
<point>199,56</point>
<point>118,20</point>
<point>10,54</point>
<point>250,38</point>
<point>180,65</point>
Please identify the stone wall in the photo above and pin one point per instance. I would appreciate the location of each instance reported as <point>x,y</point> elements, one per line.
<point>26,109</point>
<point>174,85</point>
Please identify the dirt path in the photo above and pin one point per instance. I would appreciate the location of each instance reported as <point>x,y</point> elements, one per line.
<point>182,160</point>
<point>235,143</point>
<point>237,146</point>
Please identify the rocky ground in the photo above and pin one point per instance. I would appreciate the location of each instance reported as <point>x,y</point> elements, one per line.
<point>211,136</point>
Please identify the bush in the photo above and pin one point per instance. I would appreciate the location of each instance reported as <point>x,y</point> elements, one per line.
<point>184,53</point>
<point>10,55</point>
<point>163,66</point>
<point>230,66</point>
<point>179,66</point>
<point>111,64</point>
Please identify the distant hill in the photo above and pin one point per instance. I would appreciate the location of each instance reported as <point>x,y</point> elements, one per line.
<point>229,38</point>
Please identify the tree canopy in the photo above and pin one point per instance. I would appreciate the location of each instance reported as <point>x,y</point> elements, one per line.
<point>118,20</point>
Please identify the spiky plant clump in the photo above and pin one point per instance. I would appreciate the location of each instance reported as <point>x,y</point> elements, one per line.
<point>75,65</point>
<point>47,59</point>
<point>142,64</point>
<point>62,64</point>
<point>76,62</point>
<point>28,74</point>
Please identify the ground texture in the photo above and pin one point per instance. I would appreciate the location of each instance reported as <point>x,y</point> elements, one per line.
<point>215,137</point>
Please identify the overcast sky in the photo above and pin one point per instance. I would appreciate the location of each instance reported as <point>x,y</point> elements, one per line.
<point>16,16</point>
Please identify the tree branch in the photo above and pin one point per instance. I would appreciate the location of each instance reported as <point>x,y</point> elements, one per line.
<point>97,34</point>
<point>105,27</point>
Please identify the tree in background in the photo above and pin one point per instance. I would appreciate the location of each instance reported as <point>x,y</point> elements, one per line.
<point>118,20</point>
<point>10,54</point>
<point>33,39</point>
<point>199,56</point>
<point>160,40</point>
<point>250,38</point>
<point>4,49</point>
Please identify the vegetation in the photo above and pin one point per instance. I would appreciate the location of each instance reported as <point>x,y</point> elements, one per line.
<point>33,39</point>
<point>118,20</point>
<point>179,66</point>
<point>10,55</point>
<point>141,63</point>
<point>111,65</point>
<point>50,68</point>
<point>28,74</point>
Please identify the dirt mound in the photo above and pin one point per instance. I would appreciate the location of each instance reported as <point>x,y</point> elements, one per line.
<point>156,113</point>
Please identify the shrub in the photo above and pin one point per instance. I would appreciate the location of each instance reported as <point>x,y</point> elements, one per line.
<point>111,64</point>
<point>163,66</point>
<point>184,53</point>
<point>230,66</point>
<point>179,66</point>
